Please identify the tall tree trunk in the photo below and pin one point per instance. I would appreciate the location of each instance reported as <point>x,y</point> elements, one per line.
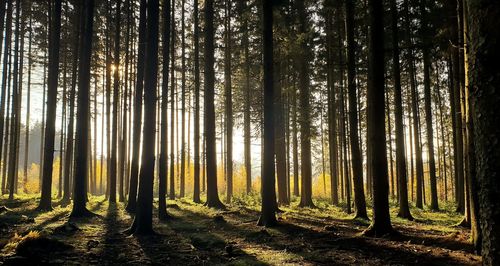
<point>28,103</point>
<point>280,141</point>
<point>182,189</point>
<point>16,111</point>
<point>116,99</point>
<point>268,211</point>
<point>163,167</point>
<point>172,106</point>
<point>356,159</point>
<point>415,112</point>
<point>81,143</point>
<point>428,111</point>
<point>139,87</point>
<point>196,190</point>
<point>72,95</point>
<point>229,103</point>
<point>143,222</point>
<point>4,95</point>
<point>209,122</point>
<point>124,147</point>
<point>482,80</point>
<point>245,42</point>
<point>332,106</point>
<point>305,111</point>
<point>295,142</point>
<point>53,76</point>
<point>404,209</point>
<point>381,223</point>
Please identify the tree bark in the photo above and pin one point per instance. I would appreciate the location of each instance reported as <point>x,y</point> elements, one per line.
<point>268,209</point>
<point>53,76</point>
<point>143,222</point>
<point>213,200</point>
<point>82,124</point>
<point>381,223</point>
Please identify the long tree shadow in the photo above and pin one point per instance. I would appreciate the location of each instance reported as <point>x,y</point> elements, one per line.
<point>314,245</point>
<point>187,241</point>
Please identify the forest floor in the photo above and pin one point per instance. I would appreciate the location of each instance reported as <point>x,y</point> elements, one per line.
<point>196,235</point>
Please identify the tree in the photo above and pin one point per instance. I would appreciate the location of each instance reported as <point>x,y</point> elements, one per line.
<point>213,200</point>
<point>72,95</point>
<point>381,222</point>
<point>162,175</point>
<point>404,209</point>
<point>428,111</point>
<point>246,112</point>
<point>116,102</point>
<point>139,87</point>
<point>82,121</point>
<point>50,126</point>
<point>268,206</point>
<point>196,177</point>
<point>183,104</point>
<point>415,112</point>
<point>305,111</point>
<point>5,63</point>
<point>143,222</point>
<point>357,161</point>
<point>16,110</point>
<point>228,102</point>
<point>483,80</point>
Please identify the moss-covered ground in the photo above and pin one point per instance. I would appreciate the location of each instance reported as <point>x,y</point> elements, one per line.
<point>197,235</point>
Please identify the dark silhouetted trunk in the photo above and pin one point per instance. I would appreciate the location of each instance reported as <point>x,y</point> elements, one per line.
<point>268,211</point>
<point>139,87</point>
<point>196,177</point>
<point>82,121</point>
<point>381,223</point>
<point>53,77</point>
<point>209,122</point>
<point>356,159</point>
<point>305,111</point>
<point>163,167</point>
<point>404,209</point>
<point>143,222</point>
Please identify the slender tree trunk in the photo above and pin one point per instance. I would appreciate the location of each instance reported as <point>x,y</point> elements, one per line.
<point>280,141</point>
<point>356,159</point>
<point>143,222</point>
<point>116,99</point>
<point>163,167</point>
<point>295,142</point>
<point>247,96</point>
<point>5,81</point>
<point>415,112</point>
<point>332,106</point>
<point>229,103</point>
<point>182,184</point>
<point>139,87</point>
<point>305,112</point>
<point>172,106</point>
<point>81,143</point>
<point>428,111</point>
<point>196,191</point>
<point>209,122</point>
<point>15,112</point>
<point>268,216</point>
<point>53,76</point>
<point>404,209</point>
<point>381,223</point>
<point>28,104</point>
